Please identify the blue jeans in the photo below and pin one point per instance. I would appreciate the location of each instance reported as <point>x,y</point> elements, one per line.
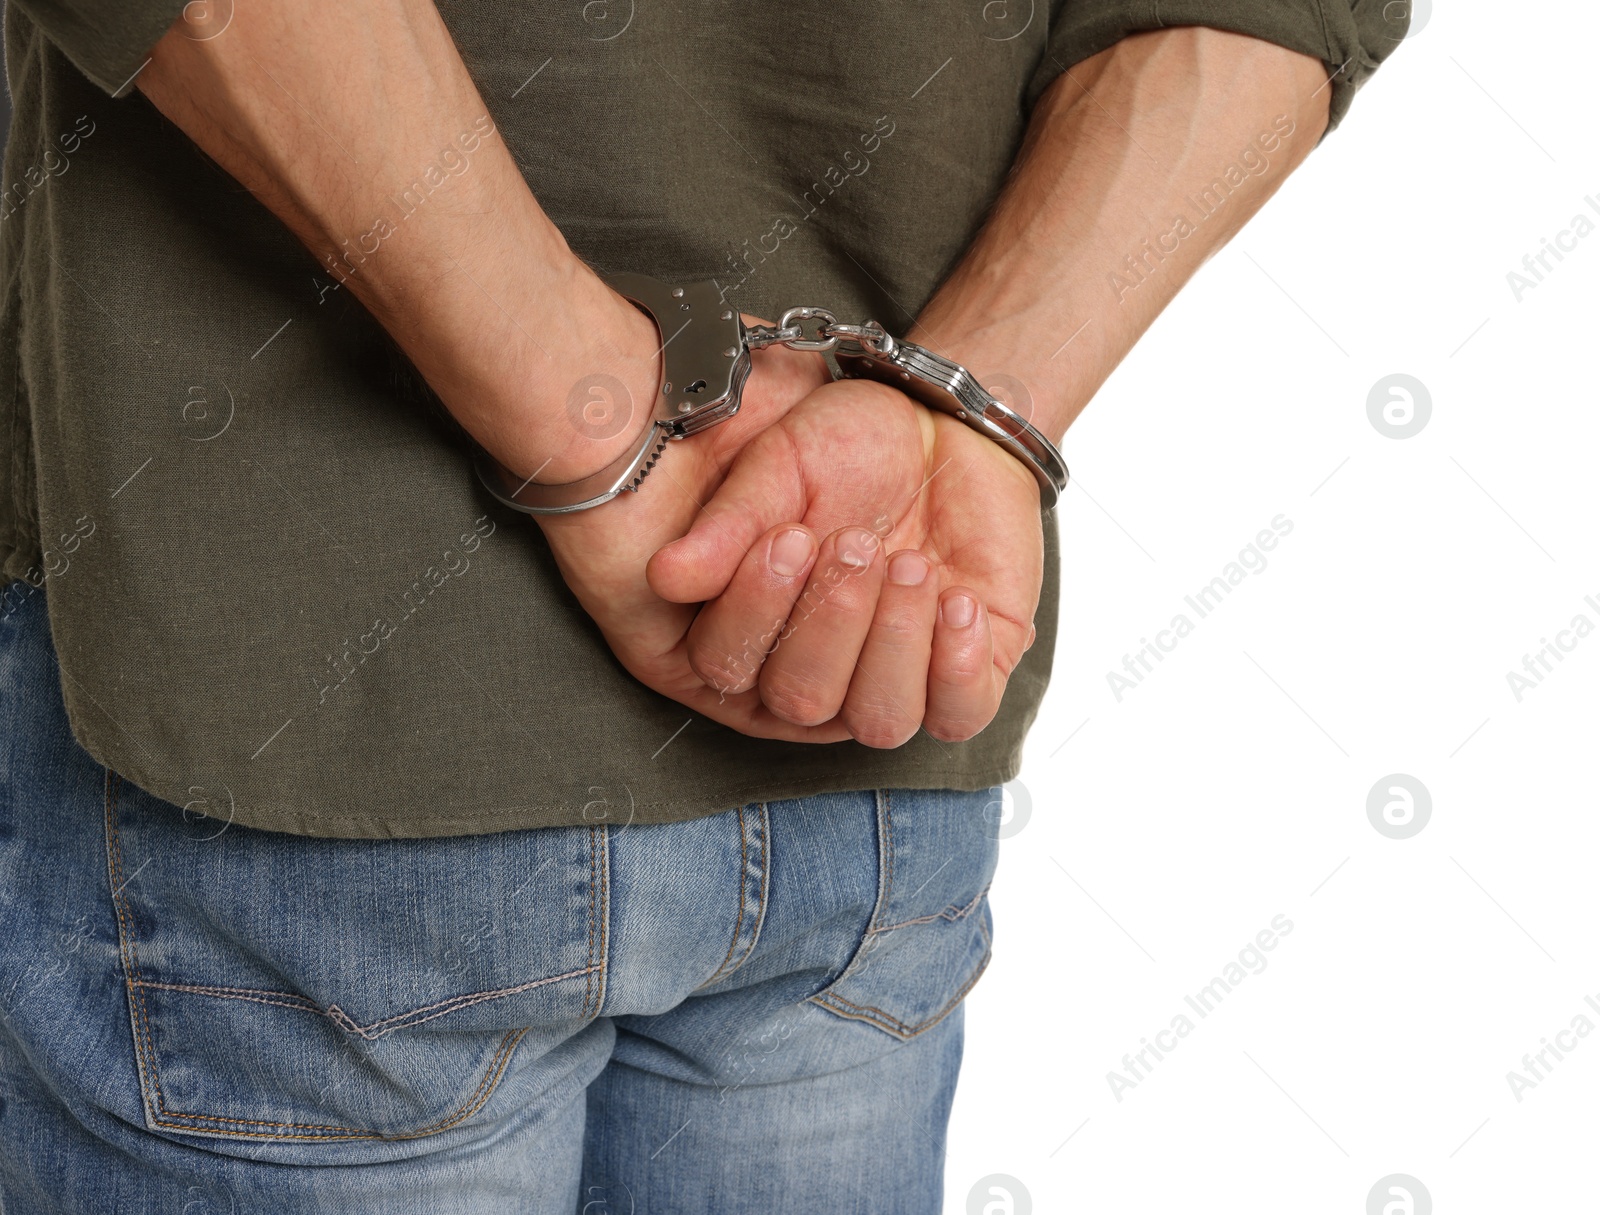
<point>753,1012</point>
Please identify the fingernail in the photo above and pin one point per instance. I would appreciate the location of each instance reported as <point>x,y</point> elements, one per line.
<point>789,552</point>
<point>856,548</point>
<point>908,569</point>
<point>958,611</point>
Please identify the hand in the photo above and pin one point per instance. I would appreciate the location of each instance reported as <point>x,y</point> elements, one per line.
<point>602,552</point>
<point>894,491</point>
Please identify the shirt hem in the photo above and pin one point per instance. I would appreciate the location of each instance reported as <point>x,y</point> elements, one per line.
<point>672,810</point>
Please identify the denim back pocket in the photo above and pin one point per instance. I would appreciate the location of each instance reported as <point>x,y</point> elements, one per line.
<point>929,938</point>
<point>302,989</point>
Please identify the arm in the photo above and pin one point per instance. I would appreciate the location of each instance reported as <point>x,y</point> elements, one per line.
<point>1106,214</point>
<point>1115,150</point>
<point>330,115</point>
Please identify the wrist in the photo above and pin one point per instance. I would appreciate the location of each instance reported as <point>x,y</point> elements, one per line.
<point>1021,360</point>
<point>568,404</point>
<point>548,369</point>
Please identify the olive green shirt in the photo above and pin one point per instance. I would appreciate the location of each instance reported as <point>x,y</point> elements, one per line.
<point>277,594</point>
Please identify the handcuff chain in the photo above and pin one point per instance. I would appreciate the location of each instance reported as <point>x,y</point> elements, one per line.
<point>870,338</point>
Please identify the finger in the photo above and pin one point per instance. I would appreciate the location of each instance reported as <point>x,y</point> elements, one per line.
<point>730,637</point>
<point>746,714</point>
<point>888,692</point>
<point>963,685</point>
<point>762,489</point>
<point>806,677</point>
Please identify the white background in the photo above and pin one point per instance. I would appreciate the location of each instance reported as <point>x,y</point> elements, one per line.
<point>1232,782</point>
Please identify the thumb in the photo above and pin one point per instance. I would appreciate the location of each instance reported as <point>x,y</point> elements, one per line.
<point>763,488</point>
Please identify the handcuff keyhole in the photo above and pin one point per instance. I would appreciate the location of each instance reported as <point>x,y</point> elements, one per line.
<point>697,386</point>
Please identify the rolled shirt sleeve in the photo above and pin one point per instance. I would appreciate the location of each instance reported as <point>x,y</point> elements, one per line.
<point>1351,37</point>
<point>107,40</point>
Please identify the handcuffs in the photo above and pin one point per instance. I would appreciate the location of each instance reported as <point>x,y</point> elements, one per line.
<point>705,352</point>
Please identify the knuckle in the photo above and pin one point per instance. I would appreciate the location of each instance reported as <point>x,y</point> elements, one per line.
<point>955,727</point>
<point>879,733</point>
<point>902,631</point>
<point>852,597</point>
<point>948,733</point>
<point>722,671</point>
<point>877,722</point>
<point>797,700</point>
<point>962,670</point>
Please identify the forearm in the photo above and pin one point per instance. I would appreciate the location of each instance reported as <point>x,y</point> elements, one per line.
<point>1137,167</point>
<point>360,128</point>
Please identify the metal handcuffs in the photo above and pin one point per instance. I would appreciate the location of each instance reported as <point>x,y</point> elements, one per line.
<point>705,347</point>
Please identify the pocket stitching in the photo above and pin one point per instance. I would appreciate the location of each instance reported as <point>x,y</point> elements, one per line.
<point>286,999</point>
<point>949,914</point>
<point>144,1050</point>
<point>882,1020</point>
<point>828,997</point>
<point>496,1069</point>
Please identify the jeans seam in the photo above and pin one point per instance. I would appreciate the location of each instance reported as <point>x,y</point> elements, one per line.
<point>758,915</point>
<point>486,1086</point>
<point>886,847</point>
<point>599,916</point>
<point>949,914</point>
<point>744,885</point>
<point>883,1020</point>
<point>333,1012</point>
<point>884,832</point>
<point>588,982</point>
<point>156,1111</point>
<point>766,881</point>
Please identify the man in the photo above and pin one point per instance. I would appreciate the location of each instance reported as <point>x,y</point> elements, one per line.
<point>360,853</point>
